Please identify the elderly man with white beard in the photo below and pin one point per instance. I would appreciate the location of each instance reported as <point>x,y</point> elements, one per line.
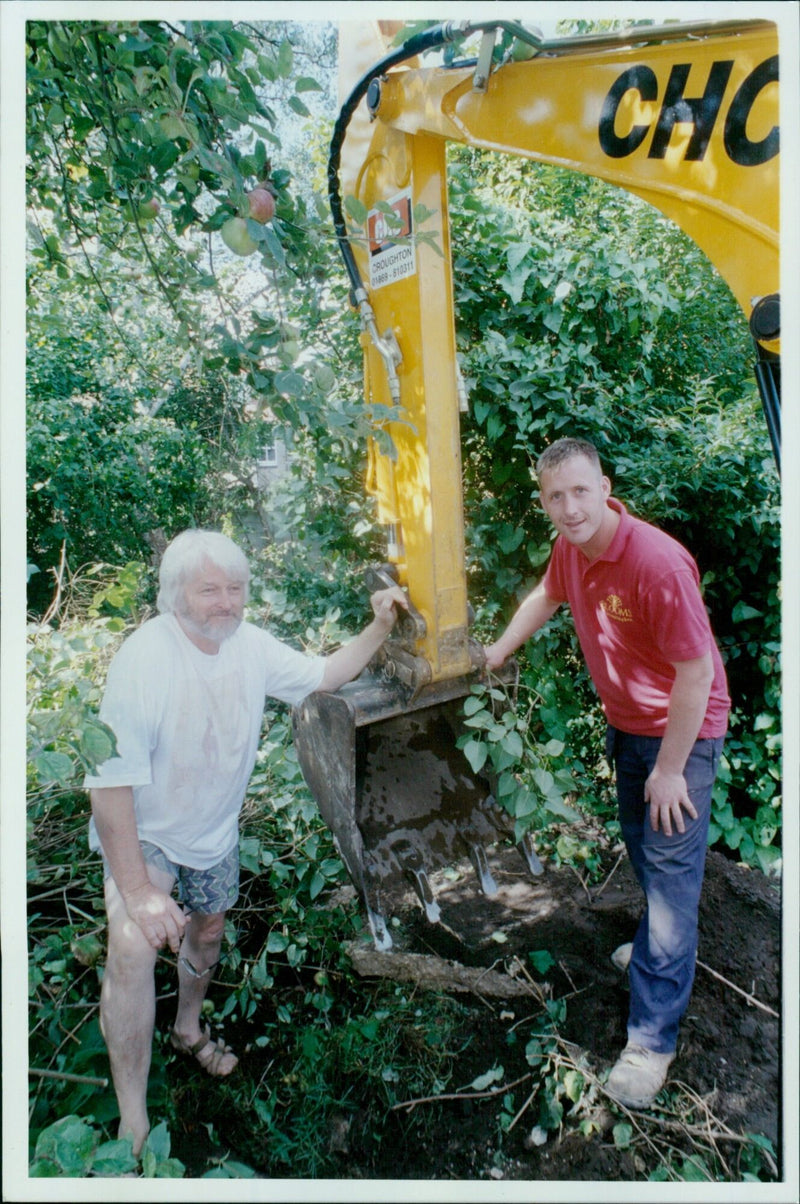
<point>185,696</point>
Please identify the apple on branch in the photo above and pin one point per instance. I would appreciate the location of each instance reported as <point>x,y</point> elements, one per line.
<point>262,205</point>
<point>236,237</point>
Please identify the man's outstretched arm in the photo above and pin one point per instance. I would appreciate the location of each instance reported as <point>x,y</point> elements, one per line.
<point>347,662</point>
<point>531,614</point>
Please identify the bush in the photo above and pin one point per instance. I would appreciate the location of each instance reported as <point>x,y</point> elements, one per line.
<point>582,311</point>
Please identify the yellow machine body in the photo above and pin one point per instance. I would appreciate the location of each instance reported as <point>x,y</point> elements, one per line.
<point>684,117</point>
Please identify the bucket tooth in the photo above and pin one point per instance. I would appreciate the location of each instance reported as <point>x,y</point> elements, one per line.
<point>477,855</point>
<point>502,821</point>
<point>528,852</point>
<point>411,861</point>
<point>381,936</point>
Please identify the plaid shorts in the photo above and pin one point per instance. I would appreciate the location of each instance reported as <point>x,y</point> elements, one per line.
<point>207,891</point>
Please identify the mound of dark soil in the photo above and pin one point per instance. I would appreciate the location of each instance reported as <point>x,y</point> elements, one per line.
<point>729,1047</point>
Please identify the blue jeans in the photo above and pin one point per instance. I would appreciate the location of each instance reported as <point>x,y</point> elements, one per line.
<point>670,872</point>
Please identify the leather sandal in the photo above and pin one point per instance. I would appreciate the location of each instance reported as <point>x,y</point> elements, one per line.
<point>215,1057</point>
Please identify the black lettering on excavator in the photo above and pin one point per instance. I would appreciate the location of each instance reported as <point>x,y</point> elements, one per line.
<point>639,79</point>
<point>701,112</point>
<point>737,144</point>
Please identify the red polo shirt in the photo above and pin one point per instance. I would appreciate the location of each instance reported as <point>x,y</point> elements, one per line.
<point>637,610</point>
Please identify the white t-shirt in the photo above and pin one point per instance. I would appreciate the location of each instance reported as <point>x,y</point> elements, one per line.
<point>188,726</point>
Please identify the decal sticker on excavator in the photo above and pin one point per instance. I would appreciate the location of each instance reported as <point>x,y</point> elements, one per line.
<point>390,259</point>
<point>699,111</point>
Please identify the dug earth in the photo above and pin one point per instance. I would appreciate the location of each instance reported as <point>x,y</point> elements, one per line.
<point>728,1065</point>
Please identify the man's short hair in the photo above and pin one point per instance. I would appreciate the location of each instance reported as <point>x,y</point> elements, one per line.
<point>186,555</point>
<point>564,449</point>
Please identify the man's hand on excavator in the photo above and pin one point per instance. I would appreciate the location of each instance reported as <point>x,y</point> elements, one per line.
<point>385,603</point>
<point>495,659</point>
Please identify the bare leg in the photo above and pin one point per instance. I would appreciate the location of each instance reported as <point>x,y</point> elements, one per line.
<point>127,1010</point>
<point>199,954</point>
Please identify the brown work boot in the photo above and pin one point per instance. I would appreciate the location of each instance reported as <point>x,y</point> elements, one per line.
<point>638,1076</point>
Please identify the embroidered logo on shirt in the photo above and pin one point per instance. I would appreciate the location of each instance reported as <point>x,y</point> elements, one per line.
<point>612,606</point>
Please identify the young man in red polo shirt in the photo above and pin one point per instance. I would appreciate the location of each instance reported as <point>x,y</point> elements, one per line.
<point>634,593</point>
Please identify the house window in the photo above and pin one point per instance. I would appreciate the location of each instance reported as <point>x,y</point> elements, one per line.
<point>269,454</point>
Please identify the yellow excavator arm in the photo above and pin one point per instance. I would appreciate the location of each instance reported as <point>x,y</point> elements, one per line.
<point>684,116</point>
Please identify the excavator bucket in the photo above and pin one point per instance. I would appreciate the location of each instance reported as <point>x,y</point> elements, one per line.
<point>399,796</point>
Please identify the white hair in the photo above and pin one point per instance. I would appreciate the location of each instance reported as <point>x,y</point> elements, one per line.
<point>185,556</point>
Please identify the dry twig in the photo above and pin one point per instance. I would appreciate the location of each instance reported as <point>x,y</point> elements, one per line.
<point>434,1099</point>
<point>68,1078</point>
<point>750,998</point>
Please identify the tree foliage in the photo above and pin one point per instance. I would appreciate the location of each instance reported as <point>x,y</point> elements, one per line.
<point>582,311</point>
<point>150,342</point>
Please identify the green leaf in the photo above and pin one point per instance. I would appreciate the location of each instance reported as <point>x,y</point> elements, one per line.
<point>292,384</point>
<point>542,960</point>
<point>553,748</point>
<point>317,885</point>
<point>551,1113</point>
<point>54,767</point>
<point>170,1168</point>
<point>534,1052</point>
<point>574,1083</point>
<point>512,743</point>
<point>158,1141</point>
<point>694,1170</point>
<point>97,744</point>
<point>472,704</point>
<point>297,106</point>
<point>507,784</point>
<point>230,1169</point>
<point>525,804</point>
<point>69,1143</point>
<point>356,209</point>
<point>45,1168</point>
<point>476,753</point>
<point>114,1158</point>
<point>743,611</point>
<point>623,1135</point>
<point>544,780</point>
<point>285,58</point>
<point>555,805</point>
<point>485,1080</point>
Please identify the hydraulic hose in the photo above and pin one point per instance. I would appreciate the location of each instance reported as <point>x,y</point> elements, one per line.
<point>430,39</point>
